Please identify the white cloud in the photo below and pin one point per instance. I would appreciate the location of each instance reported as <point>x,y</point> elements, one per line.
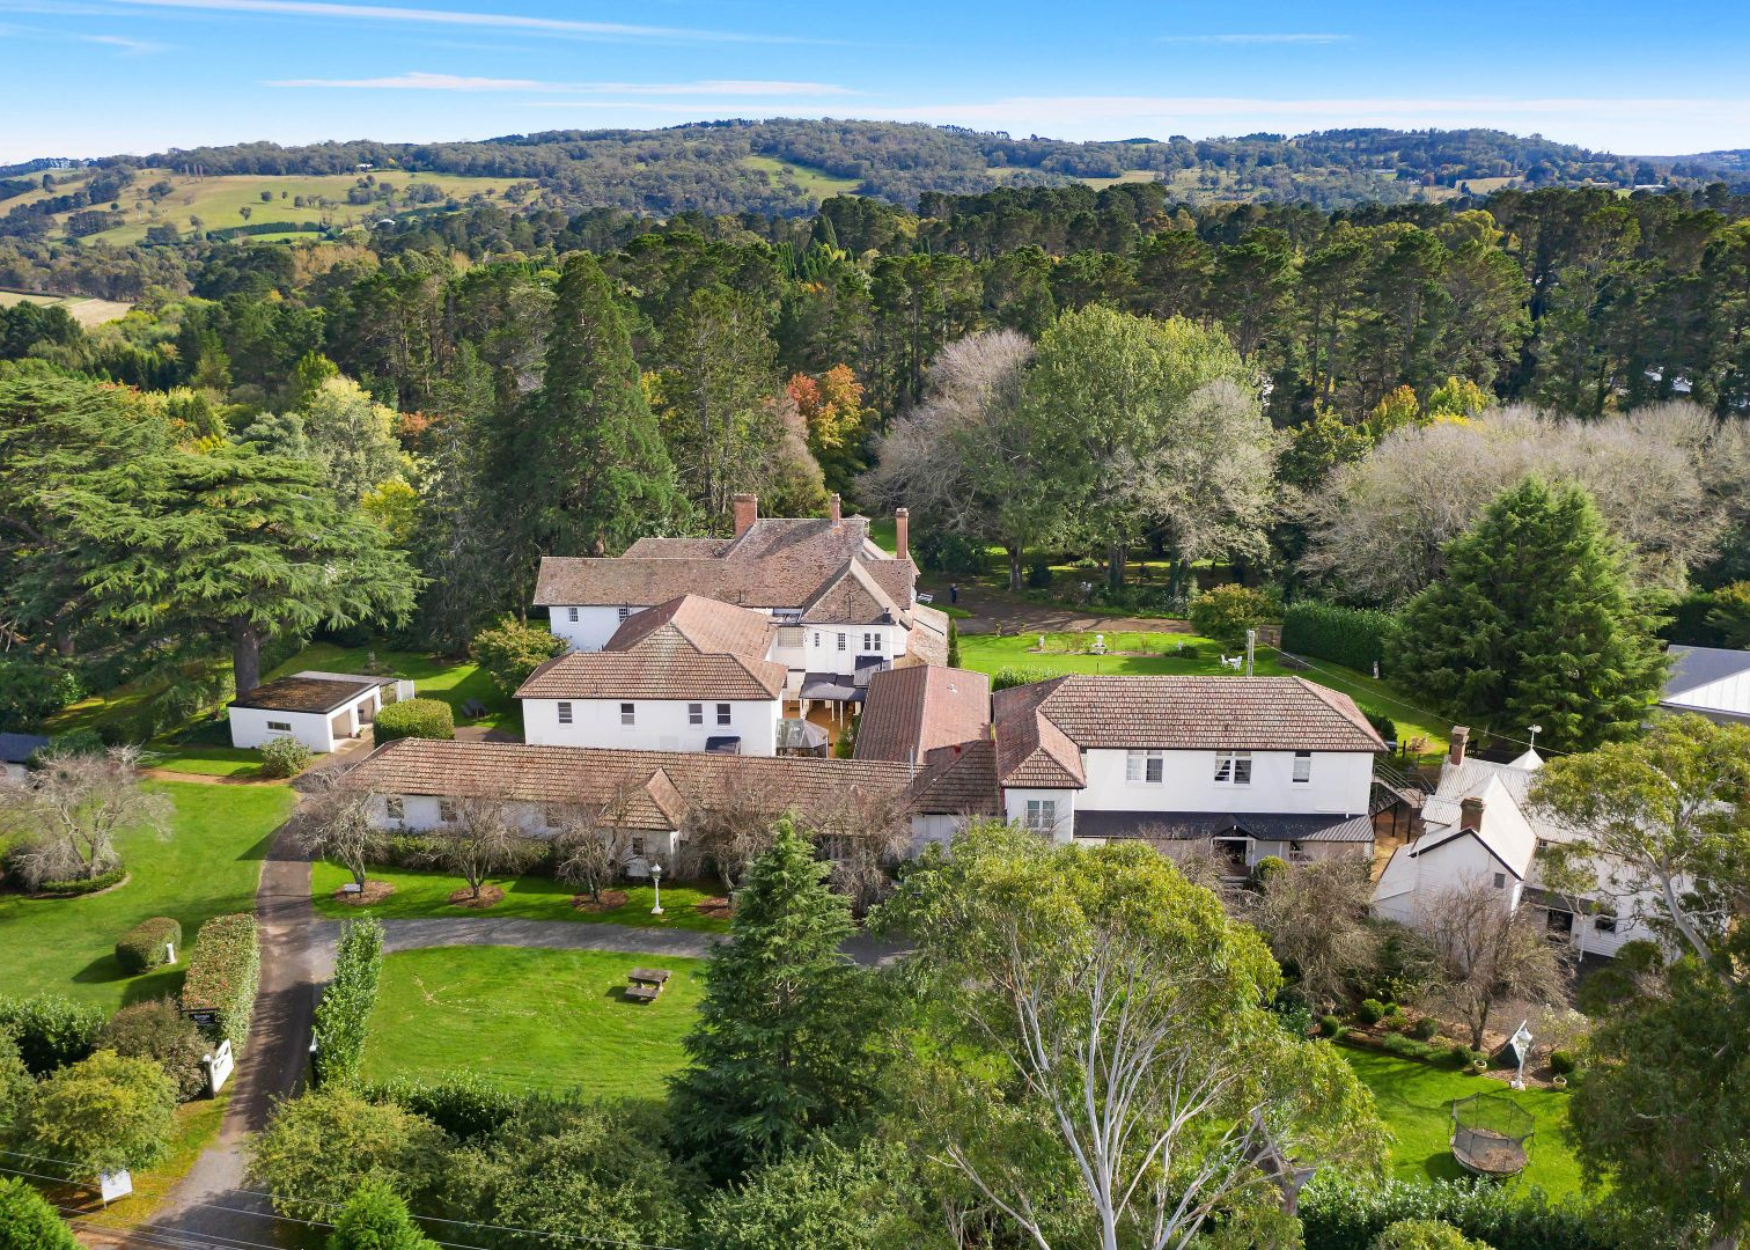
<point>452,17</point>
<point>133,47</point>
<point>417,80</point>
<point>1258,38</point>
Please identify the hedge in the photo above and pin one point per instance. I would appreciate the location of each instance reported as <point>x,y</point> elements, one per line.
<point>285,757</point>
<point>464,1104</point>
<point>347,1001</point>
<point>51,1031</point>
<point>84,885</point>
<point>1352,637</point>
<point>1339,1212</point>
<point>219,990</point>
<point>415,718</point>
<point>142,947</point>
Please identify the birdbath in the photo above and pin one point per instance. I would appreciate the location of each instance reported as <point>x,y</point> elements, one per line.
<point>656,880</point>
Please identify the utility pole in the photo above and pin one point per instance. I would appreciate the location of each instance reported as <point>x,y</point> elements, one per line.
<point>1251,649</point>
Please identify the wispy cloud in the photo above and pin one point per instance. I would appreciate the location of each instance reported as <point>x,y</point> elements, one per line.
<point>452,17</point>
<point>132,47</point>
<point>417,80</point>
<point>1285,37</point>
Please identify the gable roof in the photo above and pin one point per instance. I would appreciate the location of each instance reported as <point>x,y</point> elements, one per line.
<point>777,562</point>
<point>1505,832</point>
<point>707,625</point>
<point>654,790</point>
<point>958,780</point>
<point>1031,750</point>
<point>852,596</point>
<point>909,712</point>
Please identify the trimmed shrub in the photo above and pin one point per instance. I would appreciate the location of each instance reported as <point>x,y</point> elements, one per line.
<point>1224,613</point>
<point>1562,1062</point>
<point>375,1218</point>
<point>1371,1011</point>
<point>160,1032</point>
<point>415,718</point>
<point>142,947</point>
<point>347,1001</point>
<point>463,1104</point>
<point>1343,1212</point>
<point>1268,869</point>
<point>219,991</point>
<point>1004,678</point>
<point>1463,1056</point>
<point>1410,1048</point>
<point>84,885</point>
<point>51,1031</point>
<point>1331,1027</point>
<point>28,1222</point>
<point>285,757</point>
<point>1425,1028</point>
<point>1352,637</point>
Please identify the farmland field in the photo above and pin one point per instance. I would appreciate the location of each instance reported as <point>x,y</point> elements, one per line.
<point>87,312</point>
<point>816,182</point>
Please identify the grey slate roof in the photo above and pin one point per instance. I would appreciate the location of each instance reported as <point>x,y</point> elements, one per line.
<point>18,748</point>
<point>1182,826</point>
<point>1701,666</point>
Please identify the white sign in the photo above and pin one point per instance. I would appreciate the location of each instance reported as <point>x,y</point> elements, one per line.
<point>113,1185</point>
<point>218,1065</point>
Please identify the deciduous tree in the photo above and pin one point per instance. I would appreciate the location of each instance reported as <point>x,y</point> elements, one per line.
<point>66,815</point>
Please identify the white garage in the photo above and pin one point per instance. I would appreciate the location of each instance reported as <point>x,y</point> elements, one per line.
<point>319,710</point>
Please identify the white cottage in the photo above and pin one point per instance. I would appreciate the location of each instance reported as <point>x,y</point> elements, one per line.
<point>321,710</point>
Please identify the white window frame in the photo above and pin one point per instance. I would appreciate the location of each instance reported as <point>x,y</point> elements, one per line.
<point>1302,767</point>
<point>841,642</point>
<point>563,710</point>
<point>695,713</point>
<point>571,615</point>
<point>624,613</point>
<point>1042,815</point>
<point>725,714</point>
<point>279,726</point>
<point>1229,767</point>
<point>872,643</point>
<point>817,643</point>
<point>1145,767</point>
<point>628,715</point>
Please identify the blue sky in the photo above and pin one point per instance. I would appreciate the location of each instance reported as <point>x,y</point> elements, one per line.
<point>93,77</point>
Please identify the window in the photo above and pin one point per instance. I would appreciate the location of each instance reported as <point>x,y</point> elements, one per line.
<point>1303,765</point>
<point>395,807</point>
<point>1297,854</point>
<point>637,848</point>
<point>1604,924</point>
<point>817,640</point>
<point>1145,766</point>
<point>550,815</point>
<point>1042,814</point>
<point>723,714</point>
<point>628,713</point>
<point>695,713</point>
<point>841,642</point>
<point>571,614</point>
<point>446,811</point>
<point>625,612</point>
<point>1500,881</point>
<point>279,726</point>
<point>872,644</point>
<point>1233,768</point>
<point>564,713</point>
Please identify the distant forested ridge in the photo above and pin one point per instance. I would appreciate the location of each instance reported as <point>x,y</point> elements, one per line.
<point>706,167</point>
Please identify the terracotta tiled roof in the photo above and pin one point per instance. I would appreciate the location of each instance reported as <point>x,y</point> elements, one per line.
<point>655,789</point>
<point>1031,750</point>
<point>910,712</point>
<point>1198,713</point>
<point>306,694</point>
<point>959,780</point>
<point>710,626</point>
<point>777,563</point>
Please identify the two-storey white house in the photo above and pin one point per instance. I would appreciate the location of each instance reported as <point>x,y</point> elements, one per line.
<point>1252,766</point>
<point>686,675</point>
<point>843,607</point>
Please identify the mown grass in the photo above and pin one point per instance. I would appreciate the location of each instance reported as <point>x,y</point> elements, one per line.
<point>197,1124</point>
<point>208,865</point>
<point>531,1019</point>
<point>422,893</point>
<point>1415,1101</point>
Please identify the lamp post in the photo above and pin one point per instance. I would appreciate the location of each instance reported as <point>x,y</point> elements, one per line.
<point>656,880</point>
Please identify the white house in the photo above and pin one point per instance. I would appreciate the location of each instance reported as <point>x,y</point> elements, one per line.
<point>1711,682</point>
<point>686,675</point>
<point>320,710</point>
<point>1252,766</point>
<point>1478,830</point>
<point>843,607</point>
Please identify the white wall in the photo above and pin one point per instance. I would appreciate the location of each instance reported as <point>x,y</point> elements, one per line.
<point>1411,884</point>
<point>660,724</point>
<point>1340,784</point>
<point>1726,700</point>
<point>592,628</point>
<point>820,652</point>
<point>250,728</point>
<point>1015,809</point>
<point>422,813</point>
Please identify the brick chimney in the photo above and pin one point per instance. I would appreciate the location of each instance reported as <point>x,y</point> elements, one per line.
<point>747,511</point>
<point>835,512</point>
<point>1471,814</point>
<point>1460,737</point>
<point>902,532</point>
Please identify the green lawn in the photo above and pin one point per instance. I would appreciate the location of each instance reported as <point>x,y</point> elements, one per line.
<point>434,677</point>
<point>1415,1100</point>
<point>539,1019</point>
<point>1068,653</point>
<point>209,864</point>
<point>816,182</point>
<point>423,893</point>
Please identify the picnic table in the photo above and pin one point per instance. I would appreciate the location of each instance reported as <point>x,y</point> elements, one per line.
<point>646,983</point>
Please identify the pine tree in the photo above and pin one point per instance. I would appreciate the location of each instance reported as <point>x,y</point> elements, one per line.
<point>1534,622</point>
<point>592,471</point>
<point>779,1049</point>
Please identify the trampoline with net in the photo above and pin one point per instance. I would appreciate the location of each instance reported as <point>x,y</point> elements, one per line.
<point>1489,1132</point>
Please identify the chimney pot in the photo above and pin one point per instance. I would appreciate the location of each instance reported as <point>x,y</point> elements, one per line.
<point>747,511</point>
<point>1471,814</point>
<point>1460,738</point>
<point>902,532</point>
<point>835,511</point>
